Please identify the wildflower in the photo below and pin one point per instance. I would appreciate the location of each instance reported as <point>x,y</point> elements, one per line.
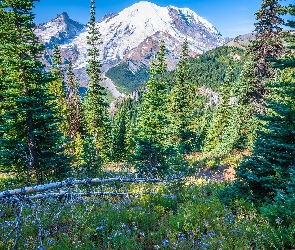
<point>279,220</point>
<point>165,242</point>
<point>41,248</point>
<point>157,247</point>
<point>174,245</point>
<point>100,228</point>
<point>49,242</point>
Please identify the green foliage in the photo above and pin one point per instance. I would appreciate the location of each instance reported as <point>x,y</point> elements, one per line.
<point>95,107</point>
<point>154,153</point>
<point>181,105</point>
<point>209,70</point>
<point>175,216</point>
<point>127,80</point>
<point>269,170</point>
<point>30,142</point>
<point>57,89</point>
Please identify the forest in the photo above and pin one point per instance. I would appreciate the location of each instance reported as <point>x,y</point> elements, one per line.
<point>147,175</point>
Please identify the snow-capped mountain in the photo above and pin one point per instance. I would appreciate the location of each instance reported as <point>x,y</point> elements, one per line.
<point>132,35</point>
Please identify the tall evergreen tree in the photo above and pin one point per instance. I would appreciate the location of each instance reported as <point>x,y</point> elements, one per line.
<point>266,47</point>
<point>121,125</point>
<point>220,117</point>
<point>57,89</point>
<point>269,170</point>
<point>30,143</point>
<point>96,115</point>
<point>154,152</point>
<point>182,104</point>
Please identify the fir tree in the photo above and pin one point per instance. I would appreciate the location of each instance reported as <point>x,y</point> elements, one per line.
<point>121,125</point>
<point>154,153</point>
<point>269,170</point>
<point>57,89</point>
<point>30,143</point>
<point>95,114</point>
<point>266,47</point>
<point>181,104</point>
<point>221,116</point>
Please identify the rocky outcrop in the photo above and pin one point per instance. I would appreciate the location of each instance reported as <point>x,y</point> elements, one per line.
<point>241,41</point>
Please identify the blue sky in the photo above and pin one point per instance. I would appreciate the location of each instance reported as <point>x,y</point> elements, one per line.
<point>230,17</point>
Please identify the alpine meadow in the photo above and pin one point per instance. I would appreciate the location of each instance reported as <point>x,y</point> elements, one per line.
<point>146,129</point>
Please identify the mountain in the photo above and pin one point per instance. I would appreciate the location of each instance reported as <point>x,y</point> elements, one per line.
<point>241,41</point>
<point>131,36</point>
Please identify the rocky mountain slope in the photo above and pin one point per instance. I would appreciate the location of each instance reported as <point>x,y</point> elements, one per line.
<point>241,41</point>
<point>131,35</point>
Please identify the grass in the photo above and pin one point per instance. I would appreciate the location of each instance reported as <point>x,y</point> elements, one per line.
<point>185,215</point>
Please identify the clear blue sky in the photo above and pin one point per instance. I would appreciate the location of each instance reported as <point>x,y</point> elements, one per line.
<point>230,17</point>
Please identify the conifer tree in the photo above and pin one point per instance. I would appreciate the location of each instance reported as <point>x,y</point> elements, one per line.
<point>181,104</point>
<point>266,47</point>
<point>95,114</point>
<point>30,143</point>
<point>121,123</point>
<point>220,117</point>
<point>73,102</point>
<point>154,153</point>
<point>57,89</point>
<point>269,170</point>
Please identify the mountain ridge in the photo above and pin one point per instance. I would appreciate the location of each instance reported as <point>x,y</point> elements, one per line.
<point>131,35</point>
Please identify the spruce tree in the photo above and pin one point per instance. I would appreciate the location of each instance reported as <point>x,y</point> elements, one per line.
<point>270,169</point>
<point>57,89</point>
<point>120,125</point>
<point>221,116</point>
<point>181,104</point>
<point>95,107</point>
<point>30,142</point>
<point>154,154</point>
<point>266,47</point>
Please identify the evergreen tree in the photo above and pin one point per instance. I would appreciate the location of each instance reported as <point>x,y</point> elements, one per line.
<point>269,170</point>
<point>266,47</point>
<point>30,143</point>
<point>73,103</point>
<point>220,117</point>
<point>182,104</point>
<point>154,153</point>
<point>57,89</point>
<point>121,123</point>
<point>95,114</point>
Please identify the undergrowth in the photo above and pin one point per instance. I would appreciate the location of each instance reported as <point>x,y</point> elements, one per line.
<point>185,215</point>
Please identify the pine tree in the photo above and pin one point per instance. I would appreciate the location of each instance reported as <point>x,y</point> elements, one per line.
<point>95,114</point>
<point>30,143</point>
<point>182,104</point>
<point>154,153</point>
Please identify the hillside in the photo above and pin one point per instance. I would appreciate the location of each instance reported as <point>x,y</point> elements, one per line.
<point>207,70</point>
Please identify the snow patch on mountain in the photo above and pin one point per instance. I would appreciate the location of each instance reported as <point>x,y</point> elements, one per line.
<point>131,35</point>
